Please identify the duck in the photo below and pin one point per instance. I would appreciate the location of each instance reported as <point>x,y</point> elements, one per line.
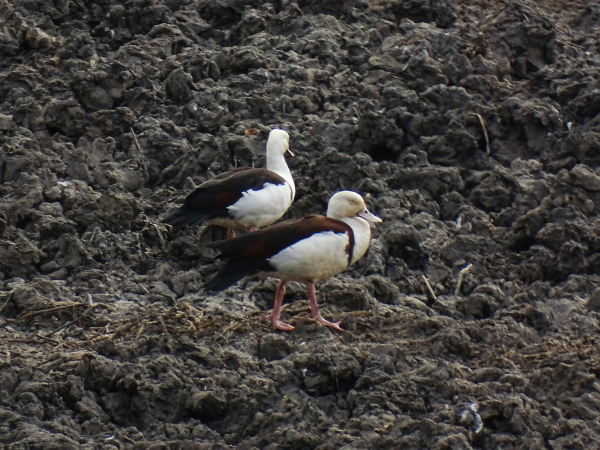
<point>242,198</point>
<point>308,250</point>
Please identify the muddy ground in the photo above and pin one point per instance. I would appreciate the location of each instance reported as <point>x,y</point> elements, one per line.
<point>472,127</point>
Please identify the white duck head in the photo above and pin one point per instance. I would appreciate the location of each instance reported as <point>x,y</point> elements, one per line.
<point>278,143</point>
<point>348,204</point>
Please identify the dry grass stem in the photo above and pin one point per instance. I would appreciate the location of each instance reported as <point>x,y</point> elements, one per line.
<point>429,289</point>
<point>485,134</point>
<point>7,299</point>
<point>461,275</point>
<point>86,313</point>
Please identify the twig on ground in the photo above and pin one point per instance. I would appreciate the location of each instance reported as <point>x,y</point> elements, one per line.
<point>209,323</point>
<point>85,313</point>
<point>429,288</point>
<point>378,4</point>
<point>485,134</point>
<point>163,243</point>
<point>119,331</point>
<point>354,314</point>
<point>7,299</point>
<point>141,248</point>
<point>141,330</point>
<point>24,341</point>
<point>44,338</point>
<point>461,276</point>
<point>297,310</point>
<point>137,145</point>
<point>42,311</point>
<point>234,326</point>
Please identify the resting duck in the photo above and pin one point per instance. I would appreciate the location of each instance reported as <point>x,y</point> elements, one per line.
<point>307,250</point>
<point>243,198</point>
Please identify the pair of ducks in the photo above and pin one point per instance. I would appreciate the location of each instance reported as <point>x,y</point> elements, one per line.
<point>307,250</point>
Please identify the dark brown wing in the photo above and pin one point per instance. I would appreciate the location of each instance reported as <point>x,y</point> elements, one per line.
<point>269,241</point>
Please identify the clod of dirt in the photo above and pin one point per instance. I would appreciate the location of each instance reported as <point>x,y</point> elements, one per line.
<point>470,127</point>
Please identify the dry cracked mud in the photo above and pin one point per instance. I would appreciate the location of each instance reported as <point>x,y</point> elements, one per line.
<point>472,127</point>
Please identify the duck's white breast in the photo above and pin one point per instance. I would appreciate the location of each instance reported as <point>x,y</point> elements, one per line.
<point>315,258</point>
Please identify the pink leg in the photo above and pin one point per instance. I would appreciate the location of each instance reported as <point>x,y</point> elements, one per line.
<point>314,308</point>
<point>230,233</point>
<point>276,313</point>
<point>252,229</point>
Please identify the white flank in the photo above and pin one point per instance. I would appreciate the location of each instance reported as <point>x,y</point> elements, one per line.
<point>261,207</point>
<point>313,259</point>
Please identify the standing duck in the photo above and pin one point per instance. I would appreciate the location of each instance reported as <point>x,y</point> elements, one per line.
<point>307,250</point>
<point>243,198</point>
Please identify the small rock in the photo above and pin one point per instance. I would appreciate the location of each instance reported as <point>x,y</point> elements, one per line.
<point>38,39</point>
<point>54,209</point>
<point>208,404</point>
<point>51,266</point>
<point>585,177</point>
<point>96,97</point>
<point>537,316</point>
<point>479,306</point>
<point>178,84</point>
<point>274,347</point>
<point>180,281</point>
<point>26,298</point>
<point>593,302</point>
<point>61,274</point>
<point>317,382</point>
<point>53,194</point>
<point>457,342</point>
<point>385,62</point>
<point>162,290</point>
<point>6,122</point>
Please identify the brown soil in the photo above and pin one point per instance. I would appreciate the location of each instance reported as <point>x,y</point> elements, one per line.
<point>473,130</point>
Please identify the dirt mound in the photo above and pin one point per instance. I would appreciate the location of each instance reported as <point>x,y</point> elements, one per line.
<point>473,130</point>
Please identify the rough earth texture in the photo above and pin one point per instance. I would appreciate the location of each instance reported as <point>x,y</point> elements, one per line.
<point>473,127</point>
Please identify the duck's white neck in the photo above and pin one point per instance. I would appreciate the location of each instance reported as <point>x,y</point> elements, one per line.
<point>362,236</point>
<point>276,163</point>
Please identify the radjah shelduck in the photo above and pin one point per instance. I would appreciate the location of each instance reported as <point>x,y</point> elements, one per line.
<point>307,250</point>
<point>243,198</point>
